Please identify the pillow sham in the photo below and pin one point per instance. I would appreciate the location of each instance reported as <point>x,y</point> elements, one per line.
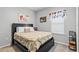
<point>31,29</point>
<point>20,29</point>
<point>24,29</point>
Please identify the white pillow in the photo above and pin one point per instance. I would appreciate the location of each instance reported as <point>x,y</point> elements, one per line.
<point>20,29</point>
<point>31,29</point>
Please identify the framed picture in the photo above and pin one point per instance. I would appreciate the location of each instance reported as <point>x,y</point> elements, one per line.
<point>23,18</point>
<point>42,19</point>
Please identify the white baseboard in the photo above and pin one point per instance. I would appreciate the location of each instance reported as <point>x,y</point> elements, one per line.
<point>5,45</point>
<point>61,43</point>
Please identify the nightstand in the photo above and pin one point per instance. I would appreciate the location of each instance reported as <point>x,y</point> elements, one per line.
<point>35,28</point>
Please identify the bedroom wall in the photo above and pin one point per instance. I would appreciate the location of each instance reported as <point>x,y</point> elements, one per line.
<point>8,16</point>
<point>70,23</point>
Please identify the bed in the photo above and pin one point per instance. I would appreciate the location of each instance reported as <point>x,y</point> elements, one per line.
<point>35,41</point>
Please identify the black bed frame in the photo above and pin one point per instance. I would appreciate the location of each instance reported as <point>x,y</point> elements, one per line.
<point>43,48</point>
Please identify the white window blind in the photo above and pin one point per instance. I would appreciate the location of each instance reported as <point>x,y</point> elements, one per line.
<point>57,22</point>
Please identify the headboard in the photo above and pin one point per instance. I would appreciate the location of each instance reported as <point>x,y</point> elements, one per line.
<point>14,25</point>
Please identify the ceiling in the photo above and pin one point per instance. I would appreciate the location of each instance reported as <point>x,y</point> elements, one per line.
<point>36,8</point>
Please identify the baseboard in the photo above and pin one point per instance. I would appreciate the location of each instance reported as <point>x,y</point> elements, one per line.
<point>5,45</point>
<point>61,43</point>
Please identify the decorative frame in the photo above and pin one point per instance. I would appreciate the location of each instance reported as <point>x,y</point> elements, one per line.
<point>23,18</point>
<point>42,19</point>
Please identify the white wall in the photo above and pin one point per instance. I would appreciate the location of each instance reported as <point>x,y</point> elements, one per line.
<point>9,16</point>
<point>70,22</point>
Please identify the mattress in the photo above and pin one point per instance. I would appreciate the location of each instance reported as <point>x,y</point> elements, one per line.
<point>32,40</point>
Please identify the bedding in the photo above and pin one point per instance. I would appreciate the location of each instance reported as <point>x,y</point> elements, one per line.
<point>32,40</point>
<point>24,29</point>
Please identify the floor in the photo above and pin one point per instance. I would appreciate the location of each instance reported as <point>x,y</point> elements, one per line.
<point>60,48</point>
<point>57,48</point>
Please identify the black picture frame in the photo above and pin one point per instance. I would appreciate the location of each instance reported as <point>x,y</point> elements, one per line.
<point>42,19</point>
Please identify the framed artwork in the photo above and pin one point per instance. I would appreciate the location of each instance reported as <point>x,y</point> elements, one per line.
<point>23,18</point>
<point>42,19</point>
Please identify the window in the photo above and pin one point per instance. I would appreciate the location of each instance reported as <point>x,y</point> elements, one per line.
<point>57,22</point>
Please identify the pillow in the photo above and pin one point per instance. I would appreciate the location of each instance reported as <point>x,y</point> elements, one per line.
<point>28,29</point>
<point>24,29</point>
<point>20,29</point>
<point>31,29</point>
